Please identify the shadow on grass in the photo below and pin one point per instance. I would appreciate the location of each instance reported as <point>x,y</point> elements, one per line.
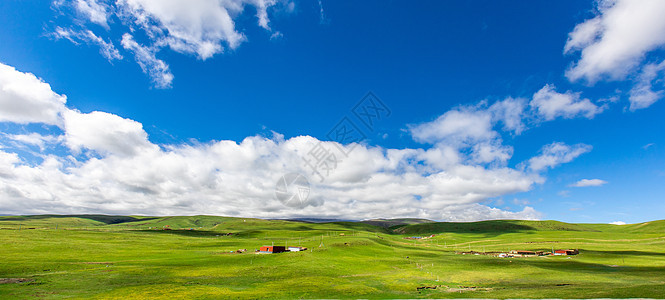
<point>594,268</point>
<point>485,228</point>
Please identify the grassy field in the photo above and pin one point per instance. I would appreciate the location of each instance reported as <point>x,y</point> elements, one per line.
<point>122,257</point>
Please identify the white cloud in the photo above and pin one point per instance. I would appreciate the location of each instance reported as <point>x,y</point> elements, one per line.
<point>105,133</point>
<point>276,35</point>
<point>466,134</point>
<point>106,49</point>
<point>197,27</point>
<point>583,35</point>
<point>477,212</point>
<point>510,112</point>
<point>557,153</point>
<point>642,94</point>
<point>550,104</point>
<point>156,68</point>
<point>24,98</point>
<point>618,223</point>
<point>456,126</point>
<point>491,152</point>
<point>262,12</point>
<point>472,129</point>
<point>93,11</point>
<point>589,182</point>
<point>615,42</point>
<point>202,28</point>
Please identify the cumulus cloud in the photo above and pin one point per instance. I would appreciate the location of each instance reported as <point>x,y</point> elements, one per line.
<point>156,68</point>
<point>475,124</point>
<point>105,133</point>
<point>489,152</point>
<point>466,134</point>
<point>122,172</point>
<point>456,126</point>
<point>24,99</point>
<point>106,49</point>
<point>477,212</point>
<point>470,133</point>
<point>230,178</point>
<point>618,223</point>
<point>616,40</point>
<point>589,182</point>
<point>557,153</point>
<point>549,104</point>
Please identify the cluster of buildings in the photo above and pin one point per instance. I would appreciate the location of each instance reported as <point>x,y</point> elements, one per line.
<point>419,237</point>
<point>279,249</point>
<point>525,253</point>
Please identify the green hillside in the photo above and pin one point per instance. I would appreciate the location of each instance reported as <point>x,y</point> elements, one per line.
<point>646,227</point>
<point>180,222</point>
<point>489,227</point>
<point>119,257</point>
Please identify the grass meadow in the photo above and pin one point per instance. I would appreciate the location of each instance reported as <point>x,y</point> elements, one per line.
<point>110,257</point>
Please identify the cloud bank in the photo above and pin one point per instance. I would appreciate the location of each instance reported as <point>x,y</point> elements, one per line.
<point>99,162</point>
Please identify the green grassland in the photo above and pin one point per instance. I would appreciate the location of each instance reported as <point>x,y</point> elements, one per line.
<point>95,256</point>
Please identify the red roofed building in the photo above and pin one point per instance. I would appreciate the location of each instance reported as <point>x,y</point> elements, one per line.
<point>272,249</point>
<point>566,252</point>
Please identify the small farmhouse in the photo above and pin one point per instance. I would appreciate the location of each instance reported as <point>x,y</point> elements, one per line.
<point>566,252</point>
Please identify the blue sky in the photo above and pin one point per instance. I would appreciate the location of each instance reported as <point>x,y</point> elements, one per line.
<point>497,109</point>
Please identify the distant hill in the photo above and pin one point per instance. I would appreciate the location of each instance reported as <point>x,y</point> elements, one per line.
<point>406,226</point>
<point>69,220</point>
<point>315,220</point>
<point>39,221</point>
<point>646,227</point>
<point>386,223</point>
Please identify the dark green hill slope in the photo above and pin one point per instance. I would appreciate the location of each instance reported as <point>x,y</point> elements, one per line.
<point>494,226</point>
